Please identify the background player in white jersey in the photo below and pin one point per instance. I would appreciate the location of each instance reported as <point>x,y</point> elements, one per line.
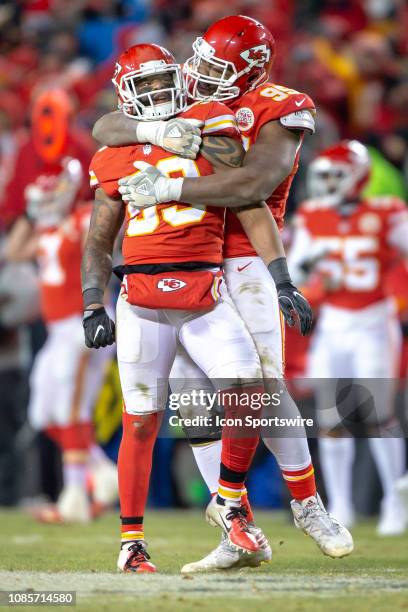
<point>232,63</point>
<point>66,377</point>
<point>354,240</point>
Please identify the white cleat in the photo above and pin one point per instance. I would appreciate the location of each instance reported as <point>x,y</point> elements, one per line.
<point>393,519</point>
<point>232,520</point>
<point>73,505</point>
<point>226,556</point>
<point>312,518</point>
<point>105,481</point>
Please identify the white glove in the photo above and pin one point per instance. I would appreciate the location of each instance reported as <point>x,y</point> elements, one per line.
<point>180,136</point>
<point>149,187</point>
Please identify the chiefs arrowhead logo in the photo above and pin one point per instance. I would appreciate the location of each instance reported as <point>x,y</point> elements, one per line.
<point>170,284</point>
<point>258,55</point>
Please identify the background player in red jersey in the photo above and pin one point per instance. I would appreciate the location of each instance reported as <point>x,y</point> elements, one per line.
<point>65,378</point>
<point>185,242</point>
<point>354,240</point>
<point>232,63</point>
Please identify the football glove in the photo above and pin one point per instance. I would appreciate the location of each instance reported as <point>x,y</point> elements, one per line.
<point>291,302</point>
<point>99,329</point>
<point>149,187</point>
<point>179,136</point>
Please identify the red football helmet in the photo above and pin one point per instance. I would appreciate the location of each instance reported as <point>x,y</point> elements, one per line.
<point>234,56</point>
<point>139,62</point>
<point>339,173</point>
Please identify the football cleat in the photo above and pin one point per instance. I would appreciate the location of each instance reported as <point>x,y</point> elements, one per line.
<point>73,505</point>
<point>232,520</point>
<point>105,483</point>
<point>48,514</point>
<point>226,556</point>
<point>393,519</point>
<point>134,558</point>
<point>312,518</point>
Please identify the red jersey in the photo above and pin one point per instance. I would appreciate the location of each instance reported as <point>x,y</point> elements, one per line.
<point>268,102</point>
<point>172,232</point>
<point>59,257</point>
<point>356,249</point>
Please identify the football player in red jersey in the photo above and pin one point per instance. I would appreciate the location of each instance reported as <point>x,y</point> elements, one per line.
<point>172,291</point>
<point>354,240</point>
<point>65,378</point>
<point>231,63</point>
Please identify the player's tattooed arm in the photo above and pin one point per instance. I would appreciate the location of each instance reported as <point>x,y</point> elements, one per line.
<point>106,221</point>
<point>266,164</point>
<point>222,152</point>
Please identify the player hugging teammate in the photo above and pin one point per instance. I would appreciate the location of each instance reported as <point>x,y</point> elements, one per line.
<point>175,301</point>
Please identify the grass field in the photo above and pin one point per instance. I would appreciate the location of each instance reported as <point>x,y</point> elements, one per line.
<point>299,578</point>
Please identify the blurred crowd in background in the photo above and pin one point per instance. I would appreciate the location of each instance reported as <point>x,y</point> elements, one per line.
<point>350,56</point>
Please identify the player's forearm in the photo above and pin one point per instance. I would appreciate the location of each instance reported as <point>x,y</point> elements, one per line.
<point>96,267</point>
<point>233,188</point>
<point>115,129</point>
<point>21,243</point>
<point>262,231</point>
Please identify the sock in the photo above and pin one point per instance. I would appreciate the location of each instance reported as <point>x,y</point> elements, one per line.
<point>245,502</point>
<point>336,458</point>
<point>389,457</point>
<point>300,482</point>
<point>238,444</point>
<point>74,474</point>
<point>78,436</point>
<point>292,450</point>
<point>208,459</point>
<point>134,467</point>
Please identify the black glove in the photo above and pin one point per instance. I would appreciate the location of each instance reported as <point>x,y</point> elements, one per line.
<point>290,301</point>
<point>98,327</point>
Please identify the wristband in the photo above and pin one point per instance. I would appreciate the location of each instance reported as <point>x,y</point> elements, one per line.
<point>278,269</point>
<point>169,189</point>
<point>146,132</point>
<point>92,296</point>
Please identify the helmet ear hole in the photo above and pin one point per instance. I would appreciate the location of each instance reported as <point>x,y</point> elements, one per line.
<point>254,76</point>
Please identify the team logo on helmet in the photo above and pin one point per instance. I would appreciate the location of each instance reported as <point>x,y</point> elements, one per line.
<point>245,119</point>
<point>256,55</point>
<point>369,223</point>
<point>170,284</point>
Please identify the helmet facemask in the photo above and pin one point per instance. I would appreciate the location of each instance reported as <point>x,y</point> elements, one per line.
<point>331,182</point>
<point>143,105</point>
<point>223,84</point>
<point>200,85</point>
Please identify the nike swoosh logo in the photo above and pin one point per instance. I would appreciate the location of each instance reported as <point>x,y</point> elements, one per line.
<point>98,329</point>
<point>227,529</point>
<point>240,268</point>
<point>300,102</point>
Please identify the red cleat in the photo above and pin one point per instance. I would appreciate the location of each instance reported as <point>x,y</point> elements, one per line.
<point>134,558</point>
<point>232,519</point>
